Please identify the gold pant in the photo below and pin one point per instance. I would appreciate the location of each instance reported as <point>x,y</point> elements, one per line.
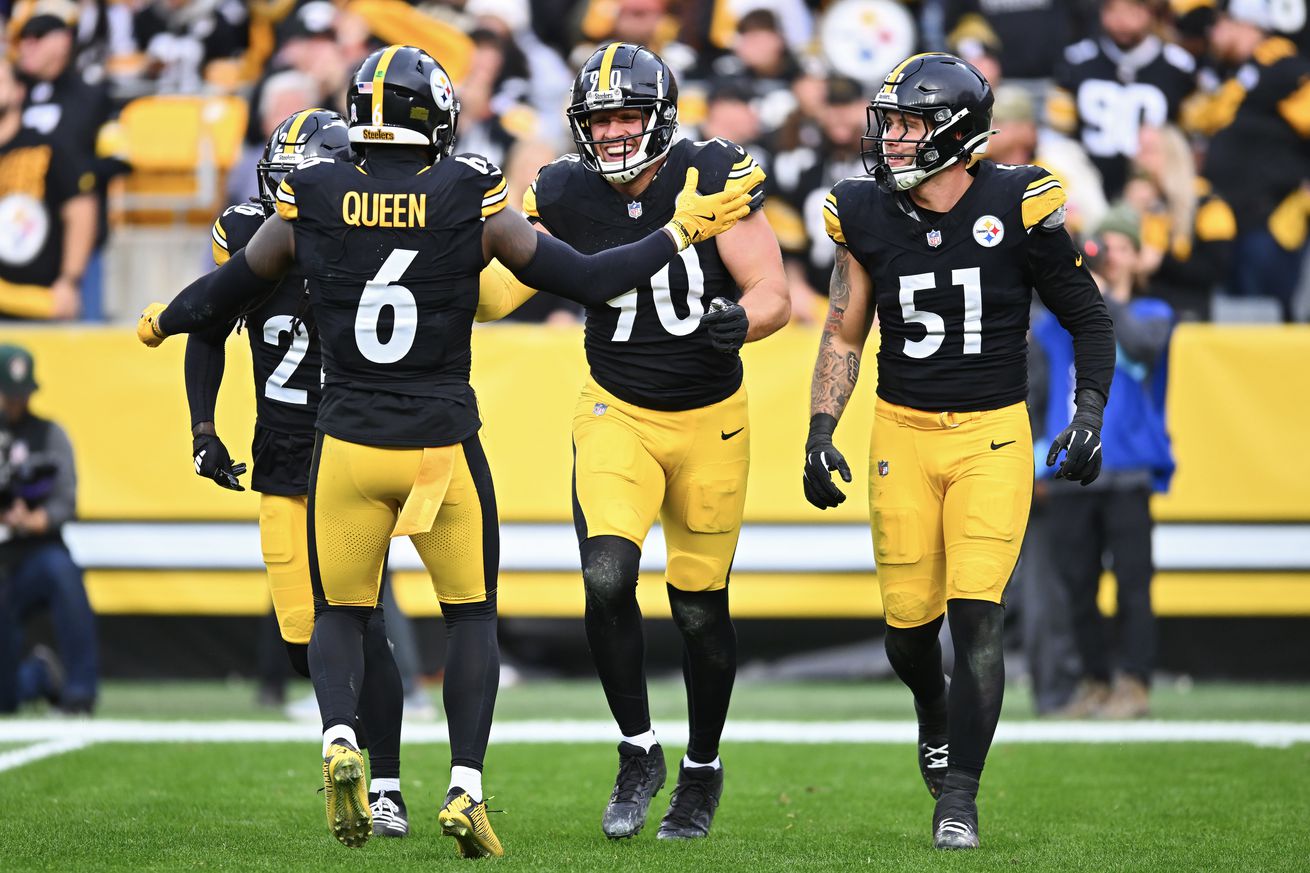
<point>949,495</point>
<point>442,497</point>
<point>688,468</point>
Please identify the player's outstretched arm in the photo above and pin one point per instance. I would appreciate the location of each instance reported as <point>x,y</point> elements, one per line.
<point>545,263</point>
<point>750,252</point>
<point>850,315</point>
<point>246,277</point>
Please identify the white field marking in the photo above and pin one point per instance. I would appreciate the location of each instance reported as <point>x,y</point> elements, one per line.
<point>18,757</point>
<point>1272,734</point>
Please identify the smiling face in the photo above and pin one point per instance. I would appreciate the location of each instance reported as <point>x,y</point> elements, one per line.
<point>902,134</point>
<point>624,126</point>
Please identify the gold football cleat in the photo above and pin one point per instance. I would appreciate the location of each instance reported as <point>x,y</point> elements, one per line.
<point>467,822</point>
<point>346,791</point>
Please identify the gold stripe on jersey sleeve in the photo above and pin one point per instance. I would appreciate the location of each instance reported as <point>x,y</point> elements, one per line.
<point>530,201</point>
<point>379,80</point>
<point>832,221</point>
<point>1040,185</point>
<point>1295,109</point>
<point>606,62</point>
<point>1036,209</point>
<point>218,242</point>
<point>289,148</point>
<point>495,200</point>
<point>286,202</point>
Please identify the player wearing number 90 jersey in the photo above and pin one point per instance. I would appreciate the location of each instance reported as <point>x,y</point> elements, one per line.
<point>661,428</point>
<point>945,250</point>
<point>392,249</point>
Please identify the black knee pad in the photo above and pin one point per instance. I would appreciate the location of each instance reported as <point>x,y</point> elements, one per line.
<point>455,613</point>
<point>912,642</point>
<point>360,615</point>
<point>609,569</point>
<point>299,655</point>
<point>697,613</point>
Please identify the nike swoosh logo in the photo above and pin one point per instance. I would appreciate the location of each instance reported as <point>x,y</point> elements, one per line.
<point>996,445</point>
<point>709,217</point>
<point>728,436</point>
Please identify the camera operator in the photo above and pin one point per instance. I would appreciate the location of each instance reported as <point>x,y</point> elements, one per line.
<point>38,493</point>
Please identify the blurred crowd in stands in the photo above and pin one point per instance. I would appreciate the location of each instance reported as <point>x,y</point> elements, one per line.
<point>1180,124</point>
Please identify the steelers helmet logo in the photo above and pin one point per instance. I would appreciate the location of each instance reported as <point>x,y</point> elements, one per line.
<point>442,91</point>
<point>24,227</point>
<point>988,231</point>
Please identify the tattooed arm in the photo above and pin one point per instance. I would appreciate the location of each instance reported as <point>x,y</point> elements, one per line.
<point>850,316</point>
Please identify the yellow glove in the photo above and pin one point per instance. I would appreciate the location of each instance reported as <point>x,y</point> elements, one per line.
<point>147,326</point>
<point>697,217</point>
<point>748,182</point>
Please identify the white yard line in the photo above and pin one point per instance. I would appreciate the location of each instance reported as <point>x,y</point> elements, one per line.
<point>57,736</point>
<point>18,757</point>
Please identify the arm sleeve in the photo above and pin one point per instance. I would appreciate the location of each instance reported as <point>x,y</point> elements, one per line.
<point>591,280</point>
<point>203,370</point>
<point>61,505</point>
<point>215,297</point>
<point>1067,289</point>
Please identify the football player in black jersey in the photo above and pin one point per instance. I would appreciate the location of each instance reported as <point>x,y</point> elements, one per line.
<point>661,428</point>
<point>946,253</point>
<point>287,364</point>
<point>391,249</point>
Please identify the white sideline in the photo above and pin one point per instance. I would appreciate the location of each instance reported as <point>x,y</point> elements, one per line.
<point>1259,733</point>
<point>18,757</point>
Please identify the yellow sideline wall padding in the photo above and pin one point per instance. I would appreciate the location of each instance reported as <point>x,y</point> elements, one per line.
<point>1238,413</point>
<point>754,595</point>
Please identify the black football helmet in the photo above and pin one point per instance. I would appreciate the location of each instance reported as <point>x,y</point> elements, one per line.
<point>400,95</point>
<point>955,102</point>
<point>309,133</point>
<point>622,76</point>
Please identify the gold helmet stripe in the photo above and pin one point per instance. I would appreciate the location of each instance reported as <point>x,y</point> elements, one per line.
<point>893,78</point>
<point>289,147</point>
<point>379,79</point>
<point>606,61</point>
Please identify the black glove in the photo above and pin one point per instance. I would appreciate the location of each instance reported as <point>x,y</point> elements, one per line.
<point>213,461</point>
<point>821,458</point>
<point>1081,440</point>
<point>727,324</point>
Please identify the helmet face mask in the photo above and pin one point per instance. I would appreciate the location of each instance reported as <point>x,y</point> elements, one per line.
<point>400,95</point>
<point>310,133</point>
<point>637,80</point>
<point>954,103</point>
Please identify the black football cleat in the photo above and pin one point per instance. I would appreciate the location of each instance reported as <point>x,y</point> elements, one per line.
<point>933,758</point>
<point>955,822</point>
<point>641,776</point>
<point>691,809</point>
<point>390,818</point>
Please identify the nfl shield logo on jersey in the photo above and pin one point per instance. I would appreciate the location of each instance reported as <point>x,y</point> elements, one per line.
<point>988,231</point>
<point>599,408</point>
<point>934,238</point>
<point>634,210</point>
<point>883,468</point>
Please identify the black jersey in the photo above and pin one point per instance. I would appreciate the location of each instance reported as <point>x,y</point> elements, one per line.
<point>1106,95</point>
<point>392,264</point>
<point>1259,154</point>
<point>953,291</point>
<point>646,346</point>
<point>286,362</point>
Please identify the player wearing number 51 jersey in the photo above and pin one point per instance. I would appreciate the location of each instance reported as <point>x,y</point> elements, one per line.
<point>946,250</point>
<point>392,249</point>
<point>661,428</point>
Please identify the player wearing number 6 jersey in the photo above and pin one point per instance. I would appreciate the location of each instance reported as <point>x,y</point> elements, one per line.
<point>946,252</point>
<point>392,249</point>
<point>661,428</point>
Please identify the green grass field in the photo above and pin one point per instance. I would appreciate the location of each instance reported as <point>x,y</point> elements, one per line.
<point>1046,806</point>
